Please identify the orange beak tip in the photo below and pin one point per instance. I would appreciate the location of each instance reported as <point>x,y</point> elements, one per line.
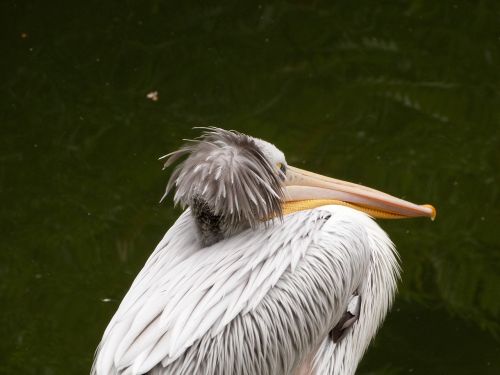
<point>433,213</point>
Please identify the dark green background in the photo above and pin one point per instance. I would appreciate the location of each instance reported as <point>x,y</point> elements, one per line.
<point>402,96</point>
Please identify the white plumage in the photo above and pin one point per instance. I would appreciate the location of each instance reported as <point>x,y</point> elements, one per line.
<point>186,293</point>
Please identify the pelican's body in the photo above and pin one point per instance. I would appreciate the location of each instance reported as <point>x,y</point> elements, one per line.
<point>302,293</point>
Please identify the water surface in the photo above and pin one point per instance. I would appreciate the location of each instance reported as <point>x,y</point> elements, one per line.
<point>401,97</point>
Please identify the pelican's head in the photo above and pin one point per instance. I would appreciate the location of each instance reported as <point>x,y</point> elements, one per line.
<point>232,181</point>
<point>229,180</point>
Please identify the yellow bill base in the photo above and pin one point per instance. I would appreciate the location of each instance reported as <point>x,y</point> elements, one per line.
<point>294,206</point>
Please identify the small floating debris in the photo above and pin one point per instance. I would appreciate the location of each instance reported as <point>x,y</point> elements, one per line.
<point>153,95</point>
<point>24,35</point>
<point>105,300</point>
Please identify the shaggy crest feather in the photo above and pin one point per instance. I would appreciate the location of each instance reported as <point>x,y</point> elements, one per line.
<point>227,171</point>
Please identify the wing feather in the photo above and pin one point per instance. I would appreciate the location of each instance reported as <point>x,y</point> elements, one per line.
<point>185,292</point>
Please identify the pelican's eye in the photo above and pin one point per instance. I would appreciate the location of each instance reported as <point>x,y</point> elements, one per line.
<point>282,169</point>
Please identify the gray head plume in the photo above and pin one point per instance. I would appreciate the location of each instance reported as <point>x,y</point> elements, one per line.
<point>227,181</point>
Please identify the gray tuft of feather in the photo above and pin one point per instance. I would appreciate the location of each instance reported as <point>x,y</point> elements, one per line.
<point>228,172</point>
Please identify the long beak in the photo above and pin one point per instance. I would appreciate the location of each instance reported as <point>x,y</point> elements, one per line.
<point>312,190</point>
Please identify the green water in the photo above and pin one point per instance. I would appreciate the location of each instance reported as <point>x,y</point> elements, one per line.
<point>403,97</point>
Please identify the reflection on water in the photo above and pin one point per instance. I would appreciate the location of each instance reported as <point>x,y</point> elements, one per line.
<point>401,98</point>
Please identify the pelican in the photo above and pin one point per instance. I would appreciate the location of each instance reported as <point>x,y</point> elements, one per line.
<point>270,269</point>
